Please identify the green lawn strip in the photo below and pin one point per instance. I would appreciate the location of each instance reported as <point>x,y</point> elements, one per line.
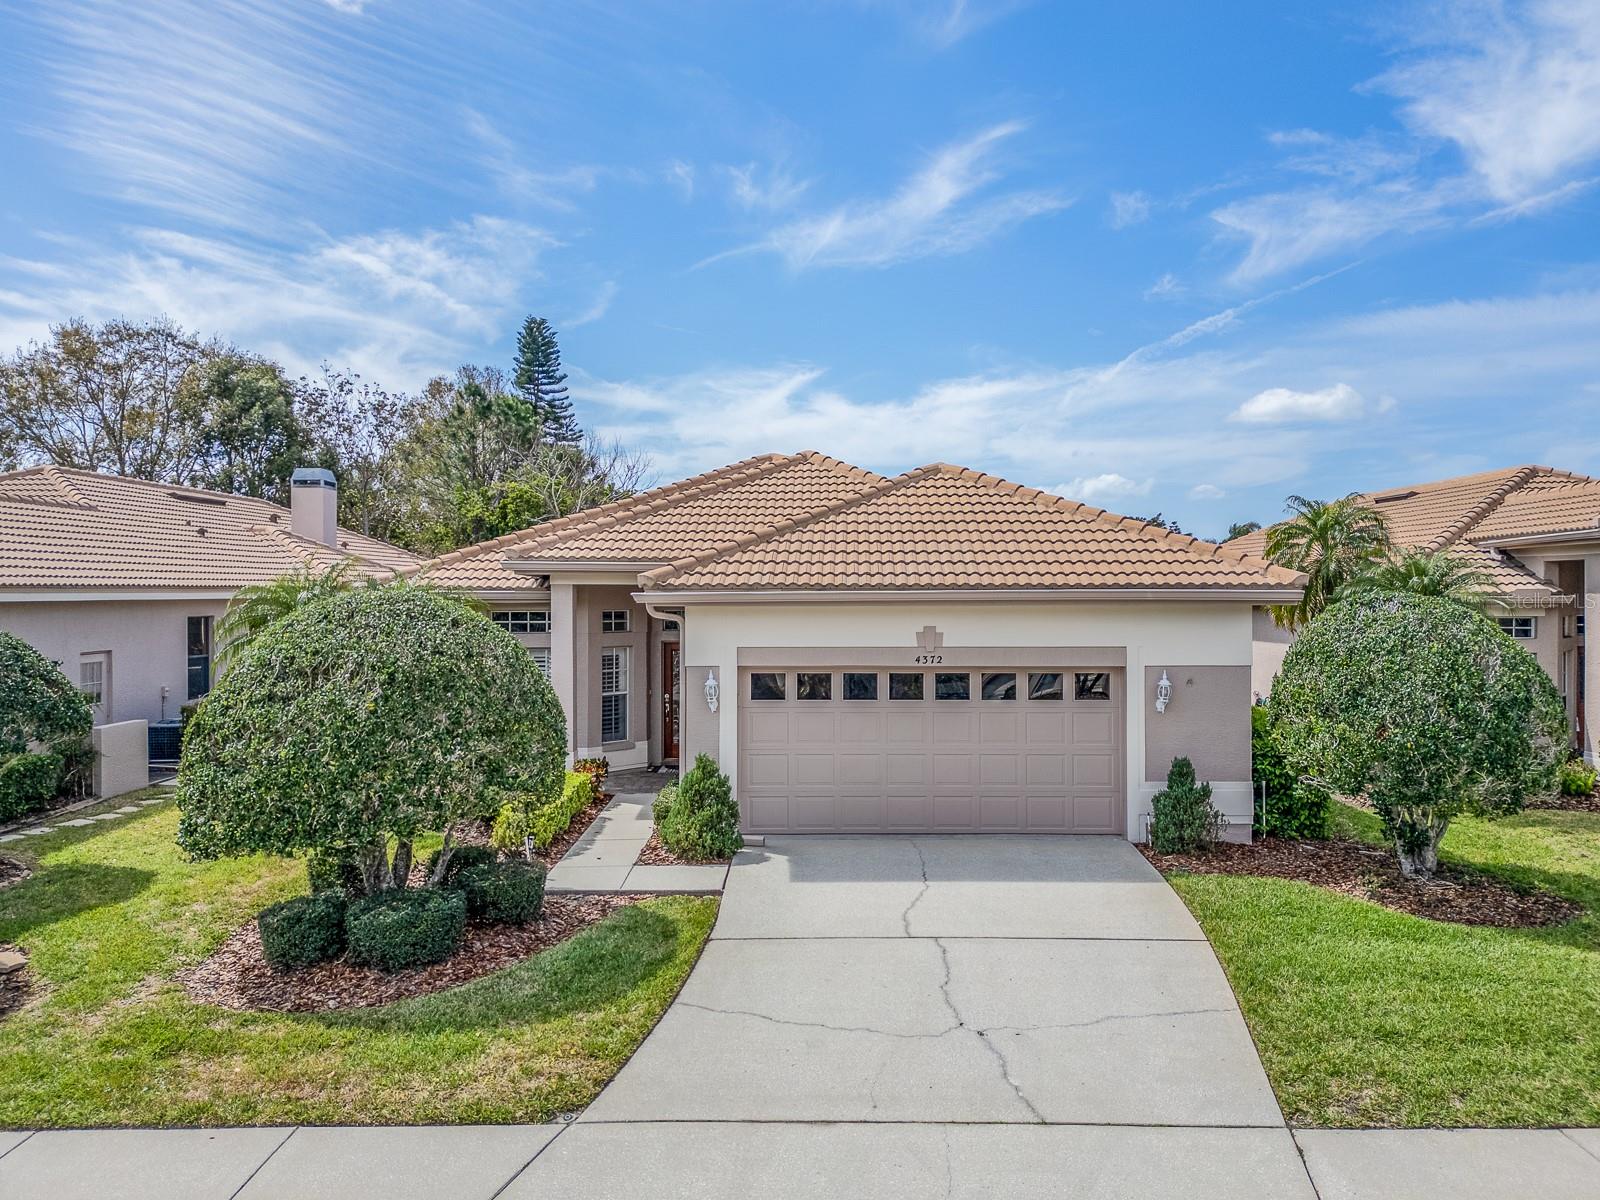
<point>115,911</point>
<point>1366,1017</point>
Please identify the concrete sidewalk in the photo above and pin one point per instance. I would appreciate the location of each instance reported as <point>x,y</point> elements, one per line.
<point>604,858</point>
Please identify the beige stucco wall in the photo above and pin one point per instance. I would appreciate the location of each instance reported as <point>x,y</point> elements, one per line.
<point>1201,722</point>
<point>1269,644</point>
<point>121,758</point>
<point>147,641</point>
<point>592,601</point>
<point>1177,636</point>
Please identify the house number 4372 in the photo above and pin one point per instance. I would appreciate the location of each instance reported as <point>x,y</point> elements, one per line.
<point>929,659</point>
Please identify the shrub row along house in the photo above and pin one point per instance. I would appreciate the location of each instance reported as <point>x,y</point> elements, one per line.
<point>1535,533</point>
<point>938,651</point>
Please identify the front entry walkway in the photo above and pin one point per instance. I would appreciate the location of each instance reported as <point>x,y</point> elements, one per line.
<point>936,1015</point>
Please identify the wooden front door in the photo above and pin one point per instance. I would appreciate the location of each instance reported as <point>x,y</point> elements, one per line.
<point>670,679</point>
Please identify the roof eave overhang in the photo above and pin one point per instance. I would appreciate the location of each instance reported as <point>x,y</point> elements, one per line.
<point>1251,595</point>
<point>1564,539</point>
<point>34,595</point>
<point>547,566</point>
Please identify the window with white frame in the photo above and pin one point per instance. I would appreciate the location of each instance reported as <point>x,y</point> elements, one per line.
<point>541,658</point>
<point>522,620</point>
<point>614,620</point>
<point>614,694</point>
<point>1521,628</point>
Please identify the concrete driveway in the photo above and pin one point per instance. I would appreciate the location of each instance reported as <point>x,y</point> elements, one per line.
<point>936,1015</point>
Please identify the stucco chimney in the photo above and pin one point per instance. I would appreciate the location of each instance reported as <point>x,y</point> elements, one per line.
<point>314,505</point>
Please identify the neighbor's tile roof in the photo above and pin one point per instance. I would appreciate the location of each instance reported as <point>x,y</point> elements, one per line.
<point>661,525</point>
<point>942,526</point>
<point>61,528</point>
<point>1468,513</point>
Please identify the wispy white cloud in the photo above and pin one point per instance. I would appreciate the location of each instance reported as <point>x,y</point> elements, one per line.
<point>680,175</point>
<point>1167,287</point>
<point>1096,489</point>
<point>773,189</point>
<point>398,305</point>
<point>597,308</point>
<point>1279,406</point>
<point>943,23</point>
<point>943,208</point>
<point>1206,491</point>
<point>1129,208</point>
<point>523,184</point>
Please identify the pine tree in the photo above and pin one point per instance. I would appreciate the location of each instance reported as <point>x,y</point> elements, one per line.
<point>541,381</point>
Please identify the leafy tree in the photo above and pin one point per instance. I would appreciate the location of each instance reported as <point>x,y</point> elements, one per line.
<point>255,607</point>
<point>106,398</point>
<point>365,717</point>
<point>1239,528</point>
<point>540,381</point>
<point>1421,573</point>
<point>249,437</point>
<point>1423,709</point>
<point>1160,522</point>
<point>354,427</point>
<point>1333,543</point>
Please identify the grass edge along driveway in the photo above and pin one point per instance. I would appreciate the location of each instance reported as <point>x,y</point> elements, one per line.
<point>114,911</point>
<point>1367,1017</point>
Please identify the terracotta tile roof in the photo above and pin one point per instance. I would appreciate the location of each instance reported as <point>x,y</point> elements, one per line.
<point>942,526</point>
<point>61,528</point>
<point>1467,513</point>
<point>663,524</point>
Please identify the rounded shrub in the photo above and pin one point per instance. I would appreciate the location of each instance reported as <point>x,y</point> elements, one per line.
<point>502,893</point>
<point>1291,809</point>
<point>302,932</point>
<point>405,928</point>
<point>361,720</point>
<point>702,822</point>
<point>1183,818</point>
<point>44,729</point>
<point>28,782</point>
<point>1576,777</point>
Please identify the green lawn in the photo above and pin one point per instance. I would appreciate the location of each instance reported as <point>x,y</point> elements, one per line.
<point>1367,1017</point>
<point>114,911</point>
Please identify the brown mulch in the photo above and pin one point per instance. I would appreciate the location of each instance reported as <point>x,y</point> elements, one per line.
<point>13,870</point>
<point>1560,803</point>
<point>654,853</point>
<point>551,855</point>
<point>1371,873</point>
<point>237,977</point>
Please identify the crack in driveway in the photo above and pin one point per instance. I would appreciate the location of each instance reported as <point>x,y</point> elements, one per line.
<point>922,864</point>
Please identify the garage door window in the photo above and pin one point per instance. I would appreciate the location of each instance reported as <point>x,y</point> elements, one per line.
<point>952,685</point>
<point>1000,685</point>
<point>1091,685</point>
<point>1044,685</point>
<point>860,685</point>
<point>766,685</point>
<point>905,686</point>
<point>813,685</point>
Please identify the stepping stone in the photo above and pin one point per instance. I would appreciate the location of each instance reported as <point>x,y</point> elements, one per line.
<point>12,837</point>
<point>37,830</point>
<point>81,821</point>
<point>128,808</point>
<point>11,961</point>
<point>110,816</point>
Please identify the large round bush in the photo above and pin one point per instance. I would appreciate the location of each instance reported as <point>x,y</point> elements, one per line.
<point>1422,706</point>
<point>44,728</point>
<point>364,717</point>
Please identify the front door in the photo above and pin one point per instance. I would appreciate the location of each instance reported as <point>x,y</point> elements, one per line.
<point>669,701</point>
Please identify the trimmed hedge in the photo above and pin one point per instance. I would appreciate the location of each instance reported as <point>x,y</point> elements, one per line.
<point>702,820</point>
<point>302,932</point>
<point>1182,817</point>
<point>461,858</point>
<point>1292,809</point>
<point>28,782</point>
<point>407,928</point>
<point>525,816</point>
<point>1575,777</point>
<point>502,893</point>
<point>333,871</point>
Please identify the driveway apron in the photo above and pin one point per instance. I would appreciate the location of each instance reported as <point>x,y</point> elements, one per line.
<point>937,1014</point>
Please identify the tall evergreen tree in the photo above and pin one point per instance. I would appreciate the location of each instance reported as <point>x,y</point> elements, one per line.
<point>542,383</point>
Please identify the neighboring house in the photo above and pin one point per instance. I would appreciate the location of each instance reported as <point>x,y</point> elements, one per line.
<point>121,581</point>
<point>940,651</point>
<point>1536,531</point>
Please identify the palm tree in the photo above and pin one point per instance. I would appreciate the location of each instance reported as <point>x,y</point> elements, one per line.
<point>255,607</point>
<point>1423,573</point>
<point>1332,543</point>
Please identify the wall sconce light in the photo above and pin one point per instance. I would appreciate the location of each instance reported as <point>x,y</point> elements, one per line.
<point>1163,692</point>
<point>713,690</point>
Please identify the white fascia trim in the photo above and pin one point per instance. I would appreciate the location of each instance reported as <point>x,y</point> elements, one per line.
<point>35,595</point>
<point>1541,539</point>
<point>902,595</point>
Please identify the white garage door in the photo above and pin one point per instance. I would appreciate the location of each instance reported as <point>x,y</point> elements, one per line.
<point>1008,750</point>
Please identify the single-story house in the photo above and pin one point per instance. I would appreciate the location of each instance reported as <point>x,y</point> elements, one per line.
<point>1535,531</point>
<point>941,651</point>
<point>121,581</point>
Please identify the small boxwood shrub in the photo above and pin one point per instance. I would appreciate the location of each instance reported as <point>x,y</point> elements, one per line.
<point>502,893</point>
<point>526,816</point>
<point>461,857</point>
<point>397,929</point>
<point>1182,816</point>
<point>28,782</point>
<point>334,871</point>
<point>1292,809</point>
<point>302,932</point>
<point>662,804</point>
<point>1576,777</point>
<point>702,821</point>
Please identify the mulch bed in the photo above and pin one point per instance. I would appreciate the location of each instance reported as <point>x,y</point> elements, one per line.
<point>237,977</point>
<point>12,870</point>
<point>1371,873</point>
<point>654,853</point>
<point>551,855</point>
<point>1559,803</point>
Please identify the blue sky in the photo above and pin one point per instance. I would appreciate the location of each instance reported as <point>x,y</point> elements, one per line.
<point>1154,256</point>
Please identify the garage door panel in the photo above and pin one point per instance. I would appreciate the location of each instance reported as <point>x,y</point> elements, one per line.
<point>1021,765</point>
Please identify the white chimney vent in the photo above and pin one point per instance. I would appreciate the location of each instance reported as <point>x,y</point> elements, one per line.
<point>314,505</point>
